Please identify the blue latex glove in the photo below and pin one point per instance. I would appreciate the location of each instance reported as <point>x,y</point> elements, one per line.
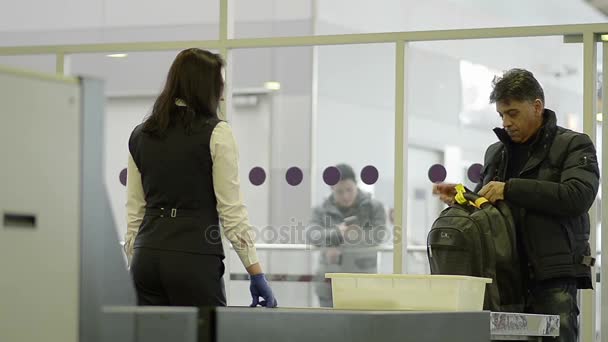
<point>259,288</point>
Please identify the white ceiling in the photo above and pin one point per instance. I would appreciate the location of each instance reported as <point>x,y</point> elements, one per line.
<point>363,16</point>
<point>89,21</point>
<point>557,63</point>
<point>43,15</point>
<point>415,15</point>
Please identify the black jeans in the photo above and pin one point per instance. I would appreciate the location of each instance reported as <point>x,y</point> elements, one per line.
<point>556,297</point>
<point>171,278</point>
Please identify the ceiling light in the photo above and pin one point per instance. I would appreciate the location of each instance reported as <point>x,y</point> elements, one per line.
<point>117,55</point>
<point>272,85</point>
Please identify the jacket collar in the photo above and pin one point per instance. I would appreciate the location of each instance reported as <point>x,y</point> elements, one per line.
<point>330,203</point>
<point>542,141</point>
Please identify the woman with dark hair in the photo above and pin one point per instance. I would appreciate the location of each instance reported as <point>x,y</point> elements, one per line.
<point>182,182</point>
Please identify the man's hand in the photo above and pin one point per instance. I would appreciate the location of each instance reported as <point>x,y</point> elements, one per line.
<point>446,192</point>
<point>493,191</point>
<point>333,256</point>
<point>342,227</point>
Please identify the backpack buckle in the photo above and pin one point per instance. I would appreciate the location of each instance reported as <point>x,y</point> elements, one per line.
<point>460,190</point>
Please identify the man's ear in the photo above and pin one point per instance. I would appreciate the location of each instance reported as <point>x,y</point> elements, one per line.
<point>539,107</point>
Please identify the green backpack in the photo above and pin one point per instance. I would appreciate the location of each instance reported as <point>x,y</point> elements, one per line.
<point>475,238</point>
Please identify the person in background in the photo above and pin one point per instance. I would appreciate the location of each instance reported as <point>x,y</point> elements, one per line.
<point>347,227</point>
<point>182,182</point>
<point>549,176</point>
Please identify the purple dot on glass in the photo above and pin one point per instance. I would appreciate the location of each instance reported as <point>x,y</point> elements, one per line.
<point>123,177</point>
<point>474,173</point>
<point>257,176</point>
<point>294,176</point>
<point>437,173</point>
<point>331,176</point>
<point>369,175</point>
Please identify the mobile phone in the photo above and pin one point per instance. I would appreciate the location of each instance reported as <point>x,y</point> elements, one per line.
<point>350,220</point>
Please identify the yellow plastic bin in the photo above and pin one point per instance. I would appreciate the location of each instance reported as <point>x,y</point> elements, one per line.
<point>407,292</point>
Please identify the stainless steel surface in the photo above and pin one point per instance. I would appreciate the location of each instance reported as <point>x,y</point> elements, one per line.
<point>149,324</point>
<point>299,324</point>
<point>319,325</point>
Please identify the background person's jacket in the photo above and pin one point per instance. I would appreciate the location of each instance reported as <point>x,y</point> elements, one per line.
<point>357,254</point>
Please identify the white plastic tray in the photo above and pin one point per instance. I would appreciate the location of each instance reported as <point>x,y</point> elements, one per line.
<point>407,292</point>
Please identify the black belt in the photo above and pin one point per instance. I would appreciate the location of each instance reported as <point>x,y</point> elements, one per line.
<point>173,212</point>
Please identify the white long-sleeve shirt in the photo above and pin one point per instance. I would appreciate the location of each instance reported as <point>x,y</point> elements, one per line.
<point>232,212</point>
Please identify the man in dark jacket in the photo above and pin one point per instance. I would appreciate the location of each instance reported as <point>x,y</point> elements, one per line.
<point>550,177</point>
<point>347,227</point>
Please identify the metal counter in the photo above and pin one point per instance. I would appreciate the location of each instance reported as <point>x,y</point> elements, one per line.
<point>173,324</point>
<point>318,325</point>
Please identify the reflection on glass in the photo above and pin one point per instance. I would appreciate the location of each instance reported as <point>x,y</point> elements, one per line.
<point>347,222</point>
<point>288,156</point>
<point>475,93</point>
<point>354,126</point>
<point>271,116</point>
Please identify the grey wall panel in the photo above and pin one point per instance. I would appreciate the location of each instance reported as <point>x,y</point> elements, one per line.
<point>104,277</point>
<point>39,176</point>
